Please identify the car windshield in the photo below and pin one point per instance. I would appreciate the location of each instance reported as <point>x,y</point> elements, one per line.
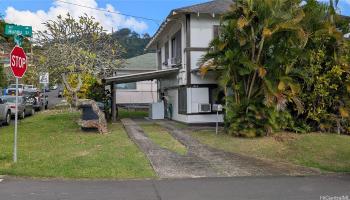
<point>26,93</point>
<point>14,86</point>
<point>11,99</point>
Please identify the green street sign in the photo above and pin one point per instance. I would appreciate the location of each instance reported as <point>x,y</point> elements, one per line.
<point>13,29</point>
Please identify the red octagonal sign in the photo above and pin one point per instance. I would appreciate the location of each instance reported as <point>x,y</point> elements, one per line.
<point>18,62</point>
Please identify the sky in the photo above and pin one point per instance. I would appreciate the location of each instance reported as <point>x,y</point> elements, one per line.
<point>35,12</point>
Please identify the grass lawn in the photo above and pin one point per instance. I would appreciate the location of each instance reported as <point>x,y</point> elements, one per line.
<point>124,113</point>
<point>328,152</point>
<point>161,137</point>
<point>52,145</point>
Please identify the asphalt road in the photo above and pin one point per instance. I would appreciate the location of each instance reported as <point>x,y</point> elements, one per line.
<point>240,188</point>
<point>52,97</point>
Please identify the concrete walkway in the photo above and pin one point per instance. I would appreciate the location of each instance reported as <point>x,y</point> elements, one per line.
<point>201,160</point>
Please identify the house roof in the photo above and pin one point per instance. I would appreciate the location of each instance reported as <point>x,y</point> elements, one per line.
<point>144,76</point>
<point>141,63</point>
<point>215,7</point>
<point>211,7</point>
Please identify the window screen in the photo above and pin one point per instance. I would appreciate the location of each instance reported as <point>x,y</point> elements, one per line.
<point>126,86</point>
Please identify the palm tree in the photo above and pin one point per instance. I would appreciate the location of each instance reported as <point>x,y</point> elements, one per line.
<point>258,46</point>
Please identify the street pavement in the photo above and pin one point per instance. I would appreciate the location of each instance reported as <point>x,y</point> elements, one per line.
<point>240,188</point>
<point>52,97</point>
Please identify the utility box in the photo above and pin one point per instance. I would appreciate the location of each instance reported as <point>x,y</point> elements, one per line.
<point>156,110</point>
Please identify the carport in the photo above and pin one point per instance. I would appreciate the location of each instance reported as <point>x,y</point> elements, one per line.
<point>144,76</point>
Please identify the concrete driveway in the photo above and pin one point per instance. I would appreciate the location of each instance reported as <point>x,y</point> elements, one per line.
<point>202,160</point>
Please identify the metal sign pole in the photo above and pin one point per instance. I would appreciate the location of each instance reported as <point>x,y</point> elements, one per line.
<point>16,119</point>
<point>217,122</point>
<point>44,96</point>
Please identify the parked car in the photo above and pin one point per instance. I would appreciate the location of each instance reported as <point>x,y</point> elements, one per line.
<point>5,112</point>
<point>46,89</point>
<point>30,88</point>
<point>60,93</point>
<point>54,87</point>
<point>38,102</point>
<point>11,90</point>
<point>25,107</point>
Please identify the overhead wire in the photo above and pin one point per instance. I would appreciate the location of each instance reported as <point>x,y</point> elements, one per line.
<point>157,21</point>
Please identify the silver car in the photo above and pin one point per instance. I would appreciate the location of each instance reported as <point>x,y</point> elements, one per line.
<point>5,112</point>
<point>25,106</point>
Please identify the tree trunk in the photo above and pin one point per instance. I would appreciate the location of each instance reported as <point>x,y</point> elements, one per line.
<point>73,91</point>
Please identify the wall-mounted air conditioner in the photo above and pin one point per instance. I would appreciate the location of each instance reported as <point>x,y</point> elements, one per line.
<point>204,107</point>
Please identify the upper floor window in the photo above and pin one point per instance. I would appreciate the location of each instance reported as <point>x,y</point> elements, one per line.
<point>176,53</point>
<point>166,52</point>
<point>159,58</point>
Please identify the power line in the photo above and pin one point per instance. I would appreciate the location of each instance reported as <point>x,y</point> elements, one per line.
<point>108,11</point>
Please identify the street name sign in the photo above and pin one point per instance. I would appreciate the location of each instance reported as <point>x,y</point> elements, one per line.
<point>13,29</point>
<point>18,62</point>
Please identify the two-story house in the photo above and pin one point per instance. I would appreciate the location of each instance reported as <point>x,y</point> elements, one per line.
<point>180,42</point>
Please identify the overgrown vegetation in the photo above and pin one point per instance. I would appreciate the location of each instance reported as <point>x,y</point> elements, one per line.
<point>282,65</point>
<point>51,144</point>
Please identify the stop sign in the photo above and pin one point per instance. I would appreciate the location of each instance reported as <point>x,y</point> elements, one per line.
<point>18,62</point>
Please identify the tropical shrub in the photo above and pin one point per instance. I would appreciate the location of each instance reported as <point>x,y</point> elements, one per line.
<point>281,65</point>
<point>323,71</point>
<point>254,54</point>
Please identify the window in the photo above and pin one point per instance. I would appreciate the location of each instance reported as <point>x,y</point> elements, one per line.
<point>216,31</point>
<point>166,47</point>
<point>216,96</point>
<point>126,86</point>
<point>182,101</point>
<point>159,57</point>
<point>176,53</point>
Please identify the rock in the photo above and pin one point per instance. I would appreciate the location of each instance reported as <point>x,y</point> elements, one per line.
<point>99,121</point>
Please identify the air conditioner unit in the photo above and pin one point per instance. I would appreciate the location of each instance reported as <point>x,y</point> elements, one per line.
<point>204,107</point>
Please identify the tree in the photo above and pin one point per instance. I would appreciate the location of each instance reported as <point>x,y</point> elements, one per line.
<point>70,46</point>
<point>131,41</point>
<point>324,71</point>
<point>3,81</point>
<point>256,50</point>
<point>286,64</point>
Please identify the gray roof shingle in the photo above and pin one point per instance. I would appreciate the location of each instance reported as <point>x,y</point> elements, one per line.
<point>142,62</point>
<point>216,7</point>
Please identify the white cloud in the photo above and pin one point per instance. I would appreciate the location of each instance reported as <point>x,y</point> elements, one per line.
<point>107,20</point>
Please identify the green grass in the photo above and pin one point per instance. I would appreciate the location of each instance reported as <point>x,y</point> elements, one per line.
<point>328,152</point>
<point>124,113</point>
<point>161,137</point>
<point>52,145</point>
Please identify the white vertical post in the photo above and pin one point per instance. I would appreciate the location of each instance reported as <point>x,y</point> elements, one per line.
<point>44,96</point>
<point>16,118</point>
<point>217,121</point>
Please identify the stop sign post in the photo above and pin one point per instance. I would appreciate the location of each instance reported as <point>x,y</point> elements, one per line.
<point>18,63</point>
